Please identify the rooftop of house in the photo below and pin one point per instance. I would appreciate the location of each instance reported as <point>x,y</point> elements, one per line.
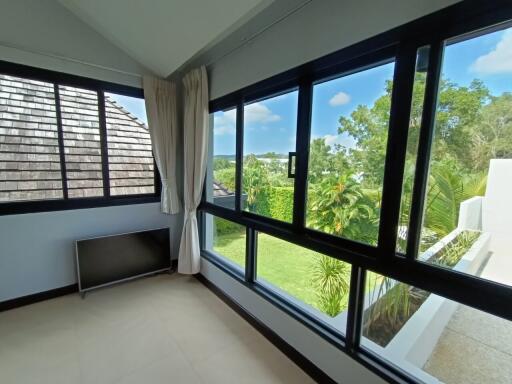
<point>219,190</point>
<point>30,167</point>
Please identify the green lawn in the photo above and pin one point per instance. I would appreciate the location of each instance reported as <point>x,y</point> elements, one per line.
<point>280,263</point>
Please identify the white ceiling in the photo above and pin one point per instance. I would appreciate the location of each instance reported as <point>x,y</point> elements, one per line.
<point>163,34</point>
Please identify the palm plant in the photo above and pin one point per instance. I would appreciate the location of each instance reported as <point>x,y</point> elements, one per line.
<point>329,277</point>
<point>448,189</point>
<point>338,206</point>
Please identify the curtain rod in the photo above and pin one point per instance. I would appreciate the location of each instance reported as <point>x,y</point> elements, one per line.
<point>263,29</point>
<point>69,59</point>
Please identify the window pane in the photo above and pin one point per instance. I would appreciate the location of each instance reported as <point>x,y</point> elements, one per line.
<point>317,283</point>
<point>270,128</point>
<point>435,338</point>
<point>418,96</point>
<point>468,209</point>
<point>29,147</point>
<point>349,131</point>
<point>226,239</point>
<point>81,131</point>
<point>130,156</point>
<point>223,162</point>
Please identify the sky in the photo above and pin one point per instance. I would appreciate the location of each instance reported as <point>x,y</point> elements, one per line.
<point>270,125</point>
<point>133,105</point>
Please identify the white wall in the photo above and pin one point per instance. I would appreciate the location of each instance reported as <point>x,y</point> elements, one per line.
<point>38,32</point>
<point>319,28</point>
<point>37,250</point>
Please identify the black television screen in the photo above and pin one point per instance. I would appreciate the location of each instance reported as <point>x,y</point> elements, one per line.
<point>108,259</point>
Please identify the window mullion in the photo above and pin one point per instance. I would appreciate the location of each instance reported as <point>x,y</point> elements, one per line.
<point>302,149</point>
<point>239,154</point>
<point>60,134</point>
<point>355,308</point>
<point>403,83</point>
<point>251,250</point>
<point>104,145</point>
<point>424,148</point>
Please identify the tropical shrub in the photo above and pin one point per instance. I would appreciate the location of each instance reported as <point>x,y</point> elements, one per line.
<point>338,206</point>
<point>330,279</point>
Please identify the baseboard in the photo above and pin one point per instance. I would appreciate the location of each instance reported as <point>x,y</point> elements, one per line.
<point>298,358</point>
<point>51,294</point>
<point>37,297</point>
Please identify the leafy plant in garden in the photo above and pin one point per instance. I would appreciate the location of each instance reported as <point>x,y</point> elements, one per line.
<point>448,188</point>
<point>255,181</point>
<point>453,252</point>
<point>329,277</point>
<point>339,207</point>
<point>471,127</point>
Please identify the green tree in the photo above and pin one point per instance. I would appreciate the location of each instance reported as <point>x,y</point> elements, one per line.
<point>221,163</point>
<point>459,108</point>
<point>320,160</point>
<point>255,182</point>
<point>339,207</point>
<point>368,126</point>
<point>491,135</point>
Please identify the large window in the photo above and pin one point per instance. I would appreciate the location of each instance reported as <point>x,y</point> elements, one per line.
<point>82,144</point>
<point>30,167</point>
<point>349,131</point>
<point>387,172</point>
<point>270,128</point>
<point>222,173</point>
<point>468,212</point>
<point>60,142</point>
<point>317,283</point>
<point>227,240</point>
<point>130,156</point>
<point>433,337</point>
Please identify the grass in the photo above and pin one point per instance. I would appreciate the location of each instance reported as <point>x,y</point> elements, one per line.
<point>282,264</point>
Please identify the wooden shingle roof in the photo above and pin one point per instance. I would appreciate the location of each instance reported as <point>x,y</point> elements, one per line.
<point>219,190</point>
<point>30,167</point>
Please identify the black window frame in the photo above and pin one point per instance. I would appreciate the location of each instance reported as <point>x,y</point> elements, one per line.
<point>461,19</point>
<point>58,79</point>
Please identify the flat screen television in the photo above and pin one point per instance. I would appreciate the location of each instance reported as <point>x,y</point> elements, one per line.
<point>107,260</point>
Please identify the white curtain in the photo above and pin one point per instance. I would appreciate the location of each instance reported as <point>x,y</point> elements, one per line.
<point>160,97</point>
<point>195,135</point>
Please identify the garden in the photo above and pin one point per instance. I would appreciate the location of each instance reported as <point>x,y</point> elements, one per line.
<point>344,195</point>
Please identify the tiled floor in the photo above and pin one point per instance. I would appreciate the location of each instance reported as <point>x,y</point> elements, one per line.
<point>474,348</point>
<point>164,329</point>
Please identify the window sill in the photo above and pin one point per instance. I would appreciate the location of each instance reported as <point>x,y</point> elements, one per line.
<point>23,207</point>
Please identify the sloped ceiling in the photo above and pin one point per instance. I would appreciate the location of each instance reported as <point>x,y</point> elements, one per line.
<point>163,34</point>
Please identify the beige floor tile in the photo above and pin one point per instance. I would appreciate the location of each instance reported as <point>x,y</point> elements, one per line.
<point>164,329</point>
<point>459,359</point>
<point>43,354</point>
<point>173,369</point>
<point>484,327</point>
<point>249,364</point>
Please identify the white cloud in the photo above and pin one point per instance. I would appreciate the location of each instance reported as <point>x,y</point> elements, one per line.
<point>259,113</point>
<point>333,139</point>
<point>343,139</point>
<point>499,60</point>
<point>338,99</point>
<point>225,123</point>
